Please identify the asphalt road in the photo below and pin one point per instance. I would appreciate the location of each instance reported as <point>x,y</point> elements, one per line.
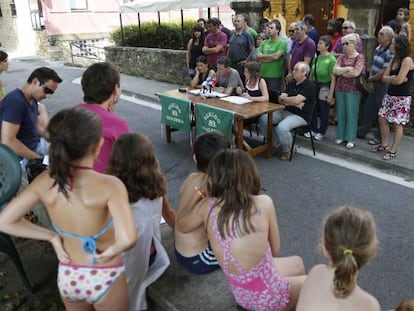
<point>303,191</point>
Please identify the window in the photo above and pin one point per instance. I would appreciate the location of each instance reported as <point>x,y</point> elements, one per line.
<point>78,4</point>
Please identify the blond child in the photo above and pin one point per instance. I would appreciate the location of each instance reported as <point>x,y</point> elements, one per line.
<point>349,241</point>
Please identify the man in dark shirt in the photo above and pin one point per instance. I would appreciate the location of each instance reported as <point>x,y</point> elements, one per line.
<point>299,101</point>
<point>19,115</point>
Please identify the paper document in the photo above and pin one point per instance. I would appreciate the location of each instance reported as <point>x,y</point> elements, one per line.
<point>237,100</point>
<point>208,93</point>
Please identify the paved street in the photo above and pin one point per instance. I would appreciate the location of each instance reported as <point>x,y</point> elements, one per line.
<point>303,190</point>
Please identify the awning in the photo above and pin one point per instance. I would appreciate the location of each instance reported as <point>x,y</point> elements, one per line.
<point>169,5</point>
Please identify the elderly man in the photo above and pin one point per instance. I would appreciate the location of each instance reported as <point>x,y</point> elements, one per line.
<point>19,113</point>
<point>299,101</point>
<point>382,58</point>
<point>303,48</point>
<point>348,27</point>
<point>215,44</point>
<point>241,45</point>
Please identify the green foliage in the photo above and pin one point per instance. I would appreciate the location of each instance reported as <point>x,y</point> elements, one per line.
<point>171,35</point>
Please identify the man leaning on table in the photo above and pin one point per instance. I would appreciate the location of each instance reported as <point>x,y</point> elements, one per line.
<point>228,78</point>
<point>298,102</point>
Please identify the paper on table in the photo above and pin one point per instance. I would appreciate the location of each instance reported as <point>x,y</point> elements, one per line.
<point>237,100</point>
<point>208,93</point>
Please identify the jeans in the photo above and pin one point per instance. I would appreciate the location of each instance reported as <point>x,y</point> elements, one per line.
<point>274,84</point>
<point>286,122</point>
<point>321,111</point>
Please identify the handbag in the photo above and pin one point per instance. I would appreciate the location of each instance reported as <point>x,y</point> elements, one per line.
<point>323,93</point>
<point>324,89</point>
<point>364,86</point>
<point>362,83</point>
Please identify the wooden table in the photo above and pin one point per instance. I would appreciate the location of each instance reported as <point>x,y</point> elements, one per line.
<point>241,113</point>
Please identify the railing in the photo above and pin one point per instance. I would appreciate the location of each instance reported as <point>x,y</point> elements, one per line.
<point>82,49</point>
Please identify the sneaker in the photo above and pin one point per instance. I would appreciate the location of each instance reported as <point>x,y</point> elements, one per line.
<point>350,145</point>
<point>308,134</point>
<point>338,141</point>
<point>319,136</point>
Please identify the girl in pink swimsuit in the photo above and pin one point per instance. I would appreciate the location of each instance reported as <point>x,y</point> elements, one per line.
<point>242,228</point>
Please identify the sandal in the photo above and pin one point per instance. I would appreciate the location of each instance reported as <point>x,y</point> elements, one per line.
<point>374,141</point>
<point>389,155</point>
<point>379,148</point>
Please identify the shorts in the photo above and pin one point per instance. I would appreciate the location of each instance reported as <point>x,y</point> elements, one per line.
<point>83,283</point>
<point>396,109</point>
<point>203,263</point>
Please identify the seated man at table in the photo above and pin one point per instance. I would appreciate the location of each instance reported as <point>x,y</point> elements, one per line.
<point>228,79</point>
<point>298,102</point>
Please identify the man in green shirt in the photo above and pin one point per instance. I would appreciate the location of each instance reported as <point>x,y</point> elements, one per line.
<point>271,57</point>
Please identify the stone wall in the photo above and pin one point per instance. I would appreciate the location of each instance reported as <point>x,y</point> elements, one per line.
<point>150,63</point>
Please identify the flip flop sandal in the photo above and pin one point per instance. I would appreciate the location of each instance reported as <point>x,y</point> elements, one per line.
<point>379,148</point>
<point>389,155</point>
<point>374,141</point>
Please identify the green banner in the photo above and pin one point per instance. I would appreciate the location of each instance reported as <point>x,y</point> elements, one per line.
<point>210,119</point>
<point>175,112</point>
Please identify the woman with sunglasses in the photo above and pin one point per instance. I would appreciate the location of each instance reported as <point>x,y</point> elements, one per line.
<point>348,68</point>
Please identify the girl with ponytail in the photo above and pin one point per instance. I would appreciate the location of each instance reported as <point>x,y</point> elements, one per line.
<point>349,241</point>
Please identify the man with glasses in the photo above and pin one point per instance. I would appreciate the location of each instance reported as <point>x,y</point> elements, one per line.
<point>19,113</point>
<point>382,59</point>
<point>348,27</point>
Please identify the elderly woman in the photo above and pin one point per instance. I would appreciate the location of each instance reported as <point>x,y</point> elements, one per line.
<point>395,107</point>
<point>347,69</point>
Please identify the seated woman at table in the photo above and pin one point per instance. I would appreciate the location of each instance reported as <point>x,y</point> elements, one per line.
<point>202,72</point>
<point>255,88</point>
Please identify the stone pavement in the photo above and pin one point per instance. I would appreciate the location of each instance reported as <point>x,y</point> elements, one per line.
<point>402,165</point>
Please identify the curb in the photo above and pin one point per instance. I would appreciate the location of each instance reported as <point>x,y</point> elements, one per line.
<point>359,156</point>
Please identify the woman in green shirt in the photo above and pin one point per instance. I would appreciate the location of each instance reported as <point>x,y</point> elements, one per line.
<point>321,72</point>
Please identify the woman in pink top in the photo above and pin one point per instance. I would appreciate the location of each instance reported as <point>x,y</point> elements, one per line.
<point>242,228</point>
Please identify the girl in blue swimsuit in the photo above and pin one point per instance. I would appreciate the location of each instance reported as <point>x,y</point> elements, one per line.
<point>90,213</point>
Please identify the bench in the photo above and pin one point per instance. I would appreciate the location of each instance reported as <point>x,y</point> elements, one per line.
<point>179,290</point>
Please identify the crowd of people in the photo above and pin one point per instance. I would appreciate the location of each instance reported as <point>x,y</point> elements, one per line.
<point>336,63</point>
<point>105,193</point>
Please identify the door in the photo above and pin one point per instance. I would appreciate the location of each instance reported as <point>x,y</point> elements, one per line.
<point>322,11</point>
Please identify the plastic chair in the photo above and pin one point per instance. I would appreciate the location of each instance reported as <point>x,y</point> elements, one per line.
<point>10,177</point>
<point>304,128</point>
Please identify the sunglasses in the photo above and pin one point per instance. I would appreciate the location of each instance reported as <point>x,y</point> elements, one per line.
<point>346,43</point>
<point>346,27</point>
<point>46,89</point>
<point>291,30</point>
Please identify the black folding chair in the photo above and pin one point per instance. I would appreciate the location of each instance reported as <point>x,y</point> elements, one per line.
<point>304,128</point>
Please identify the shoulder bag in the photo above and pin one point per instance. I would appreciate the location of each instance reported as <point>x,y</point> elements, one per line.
<point>323,89</point>
<point>362,83</point>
